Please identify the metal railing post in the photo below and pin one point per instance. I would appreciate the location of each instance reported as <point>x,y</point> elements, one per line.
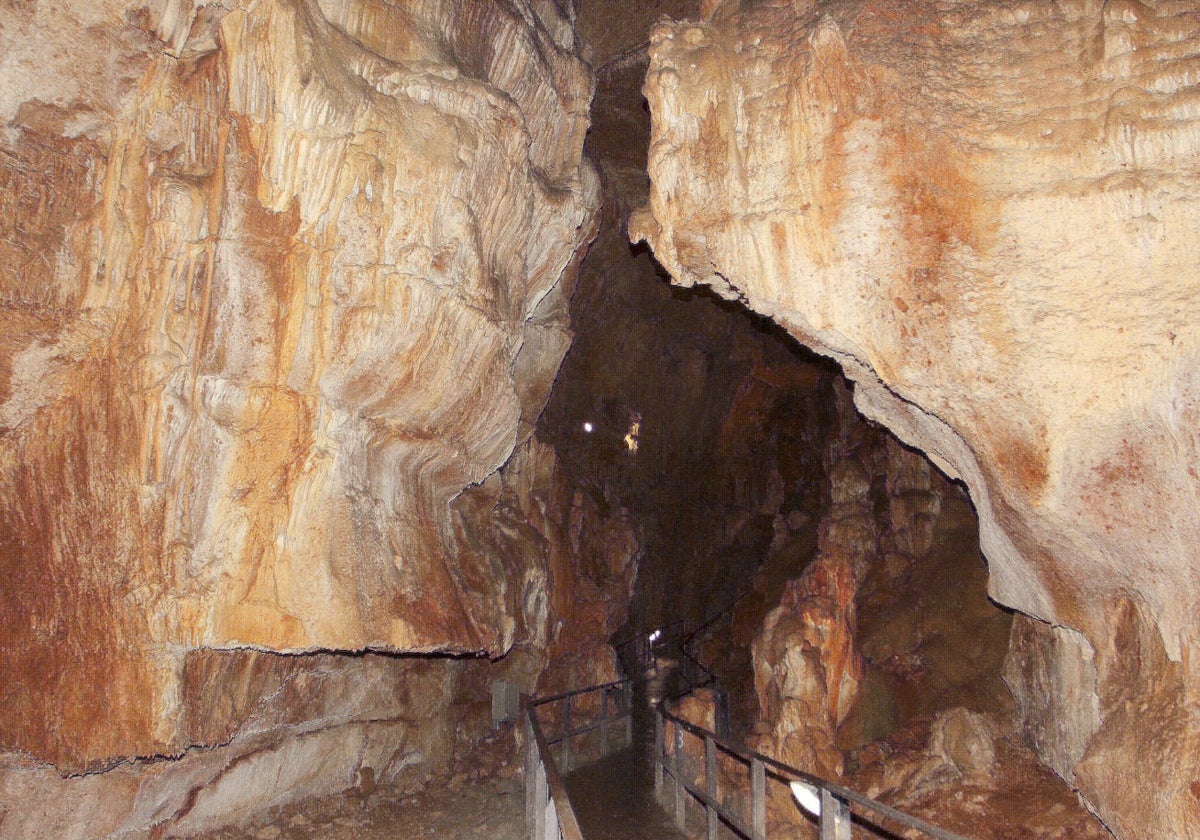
<point>627,691</point>
<point>553,827</point>
<point>680,790</point>
<point>710,786</point>
<point>658,754</point>
<point>604,721</point>
<point>549,813</point>
<point>541,797</point>
<point>758,800</point>
<point>566,734</point>
<point>531,765</point>
<point>835,817</point>
<point>722,713</point>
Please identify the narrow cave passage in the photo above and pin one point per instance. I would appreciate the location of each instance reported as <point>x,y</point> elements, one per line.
<point>827,574</point>
<point>301,490</point>
<point>750,481</point>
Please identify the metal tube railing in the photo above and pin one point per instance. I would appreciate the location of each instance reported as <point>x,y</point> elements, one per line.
<point>549,815</point>
<point>548,811</point>
<point>693,673</point>
<point>836,802</point>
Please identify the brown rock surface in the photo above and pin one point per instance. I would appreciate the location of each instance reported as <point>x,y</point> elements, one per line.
<point>284,286</point>
<point>285,727</point>
<point>925,770</point>
<point>994,240</point>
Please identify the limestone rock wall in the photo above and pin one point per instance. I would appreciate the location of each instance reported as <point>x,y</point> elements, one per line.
<point>576,593</point>
<point>296,726</point>
<point>281,285</point>
<point>806,658</point>
<point>283,727</point>
<point>852,647</point>
<point>984,212</point>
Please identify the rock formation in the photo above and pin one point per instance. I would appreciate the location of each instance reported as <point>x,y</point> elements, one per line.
<point>807,668</point>
<point>984,213</point>
<point>284,287</point>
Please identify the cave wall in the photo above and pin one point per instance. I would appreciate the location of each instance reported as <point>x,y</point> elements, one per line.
<point>284,287</point>
<point>278,728</point>
<point>298,726</point>
<point>983,212</point>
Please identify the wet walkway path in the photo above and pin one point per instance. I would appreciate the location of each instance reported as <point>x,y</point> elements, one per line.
<point>614,797</point>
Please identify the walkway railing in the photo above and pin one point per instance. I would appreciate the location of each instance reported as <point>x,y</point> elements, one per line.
<point>571,717</point>
<point>692,674</point>
<point>833,806</point>
<point>581,722</point>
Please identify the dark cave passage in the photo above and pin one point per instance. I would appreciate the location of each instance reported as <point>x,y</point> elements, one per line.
<point>827,574</point>
<point>341,425</point>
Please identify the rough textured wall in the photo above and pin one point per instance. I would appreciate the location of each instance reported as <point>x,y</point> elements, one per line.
<point>290,726</point>
<point>985,213</point>
<point>296,726</point>
<point>280,282</point>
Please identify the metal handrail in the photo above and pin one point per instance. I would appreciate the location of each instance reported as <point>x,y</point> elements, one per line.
<point>548,811</point>
<point>699,675</point>
<point>541,701</point>
<point>835,812</point>
<point>549,815</point>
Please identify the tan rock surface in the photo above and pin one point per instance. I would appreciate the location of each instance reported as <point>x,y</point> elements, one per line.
<point>283,284</point>
<point>305,725</point>
<point>925,771</point>
<point>984,212</point>
<point>286,727</point>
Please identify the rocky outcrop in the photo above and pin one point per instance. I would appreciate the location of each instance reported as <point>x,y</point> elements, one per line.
<point>807,668</point>
<point>296,726</point>
<point>286,727</point>
<point>577,595</point>
<point>828,680</point>
<point>284,286</point>
<point>965,772</point>
<point>995,243</point>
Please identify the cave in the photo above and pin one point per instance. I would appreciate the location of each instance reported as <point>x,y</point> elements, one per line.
<point>365,362</point>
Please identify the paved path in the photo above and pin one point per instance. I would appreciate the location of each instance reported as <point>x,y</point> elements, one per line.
<point>614,797</point>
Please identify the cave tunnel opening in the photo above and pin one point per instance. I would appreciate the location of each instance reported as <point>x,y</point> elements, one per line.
<point>828,575</point>
<point>287,494</point>
<point>740,457</point>
<point>772,518</point>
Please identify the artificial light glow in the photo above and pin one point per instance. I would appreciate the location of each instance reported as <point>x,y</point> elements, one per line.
<point>587,426</point>
<point>808,796</point>
<point>654,637</point>
<point>635,428</point>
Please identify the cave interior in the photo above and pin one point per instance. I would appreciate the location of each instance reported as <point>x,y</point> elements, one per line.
<point>359,358</point>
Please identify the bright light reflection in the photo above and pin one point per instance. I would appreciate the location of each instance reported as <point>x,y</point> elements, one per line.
<point>635,428</point>
<point>808,797</point>
<point>587,426</point>
<point>654,637</point>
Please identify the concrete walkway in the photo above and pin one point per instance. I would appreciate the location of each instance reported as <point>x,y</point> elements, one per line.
<point>614,797</point>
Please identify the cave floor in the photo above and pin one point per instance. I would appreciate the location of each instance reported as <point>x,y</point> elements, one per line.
<point>490,807</point>
<point>614,800</point>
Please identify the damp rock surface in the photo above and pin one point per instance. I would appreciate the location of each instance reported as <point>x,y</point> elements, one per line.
<point>288,280</point>
<point>480,801</point>
<point>995,244</point>
<point>284,290</point>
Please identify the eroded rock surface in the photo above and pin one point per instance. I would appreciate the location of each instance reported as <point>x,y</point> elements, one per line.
<point>984,213</point>
<point>283,288</point>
